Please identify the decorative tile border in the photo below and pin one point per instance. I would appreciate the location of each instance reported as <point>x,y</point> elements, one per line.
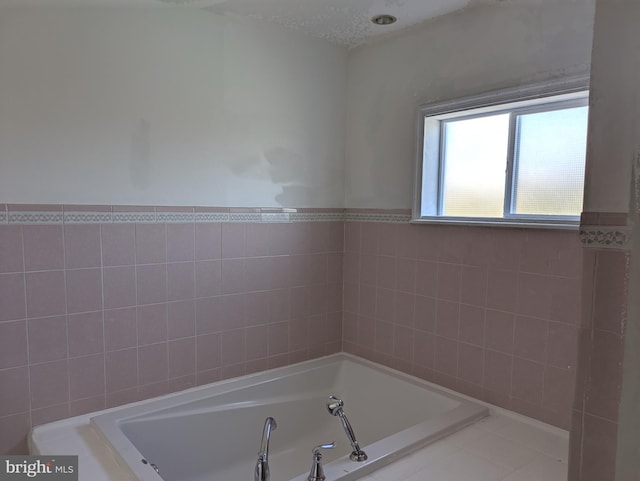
<point>175,217</point>
<point>134,217</point>
<point>605,238</point>
<point>376,217</point>
<point>275,217</point>
<point>74,214</point>
<point>35,217</point>
<point>87,217</point>
<point>211,217</point>
<point>245,217</point>
<point>602,230</point>
<point>317,217</point>
<point>605,230</point>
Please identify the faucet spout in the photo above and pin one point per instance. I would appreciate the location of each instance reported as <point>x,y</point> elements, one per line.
<point>262,465</point>
<point>334,406</point>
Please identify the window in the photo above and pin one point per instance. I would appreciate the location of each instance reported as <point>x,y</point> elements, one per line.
<point>514,157</point>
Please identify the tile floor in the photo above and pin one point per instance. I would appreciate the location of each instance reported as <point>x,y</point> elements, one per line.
<point>498,448</point>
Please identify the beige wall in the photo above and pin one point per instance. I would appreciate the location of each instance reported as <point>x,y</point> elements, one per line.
<point>469,52</point>
<point>155,106</point>
<point>167,106</point>
<point>614,106</point>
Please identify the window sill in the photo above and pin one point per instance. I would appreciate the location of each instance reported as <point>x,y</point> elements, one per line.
<point>493,222</point>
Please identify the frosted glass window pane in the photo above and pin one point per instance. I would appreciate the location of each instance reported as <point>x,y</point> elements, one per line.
<point>475,158</point>
<point>550,158</point>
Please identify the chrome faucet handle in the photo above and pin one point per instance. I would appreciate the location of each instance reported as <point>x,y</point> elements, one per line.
<point>334,405</point>
<point>317,449</point>
<point>317,473</point>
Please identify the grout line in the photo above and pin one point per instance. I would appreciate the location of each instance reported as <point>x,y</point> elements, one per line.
<point>66,307</point>
<point>104,333</point>
<point>26,324</point>
<point>193,303</point>
<point>135,279</point>
<point>484,328</point>
<point>513,336</point>
<point>166,298</point>
<point>458,342</point>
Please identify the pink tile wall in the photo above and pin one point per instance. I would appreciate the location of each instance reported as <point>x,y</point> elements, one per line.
<point>93,316</point>
<point>97,315</point>
<point>490,312</point>
<point>601,352</point>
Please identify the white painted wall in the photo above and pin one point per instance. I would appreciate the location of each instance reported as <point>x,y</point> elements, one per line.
<point>465,53</point>
<point>615,100</point>
<point>167,106</point>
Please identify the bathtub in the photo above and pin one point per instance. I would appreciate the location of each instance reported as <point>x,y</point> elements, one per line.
<point>213,433</point>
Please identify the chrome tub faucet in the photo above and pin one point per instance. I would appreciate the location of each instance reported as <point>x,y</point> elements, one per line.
<point>262,465</point>
<point>317,473</point>
<point>334,406</point>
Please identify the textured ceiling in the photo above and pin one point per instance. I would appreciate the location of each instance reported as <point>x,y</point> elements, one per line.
<point>344,22</point>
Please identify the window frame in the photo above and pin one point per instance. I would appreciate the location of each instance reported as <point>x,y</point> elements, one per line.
<point>428,186</point>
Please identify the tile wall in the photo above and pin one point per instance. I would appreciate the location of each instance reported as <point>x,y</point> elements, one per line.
<point>97,314</point>
<point>490,312</point>
<point>594,431</point>
<point>100,305</point>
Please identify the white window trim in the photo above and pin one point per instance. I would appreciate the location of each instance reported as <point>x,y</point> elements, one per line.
<point>429,159</point>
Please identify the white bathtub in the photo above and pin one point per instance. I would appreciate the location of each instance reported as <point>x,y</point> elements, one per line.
<point>213,433</point>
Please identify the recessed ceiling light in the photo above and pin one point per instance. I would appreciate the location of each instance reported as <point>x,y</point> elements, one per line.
<point>384,19</point>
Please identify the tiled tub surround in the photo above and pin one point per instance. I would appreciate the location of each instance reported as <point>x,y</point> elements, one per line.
<point>489,312</point>
<point>101,306</point>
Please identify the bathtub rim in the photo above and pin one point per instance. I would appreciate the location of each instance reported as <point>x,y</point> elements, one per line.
<point>233,384</point>
<point>106,423</point>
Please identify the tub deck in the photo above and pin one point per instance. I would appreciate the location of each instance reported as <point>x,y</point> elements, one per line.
<point>502,447</point>
<point>136,428</point>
